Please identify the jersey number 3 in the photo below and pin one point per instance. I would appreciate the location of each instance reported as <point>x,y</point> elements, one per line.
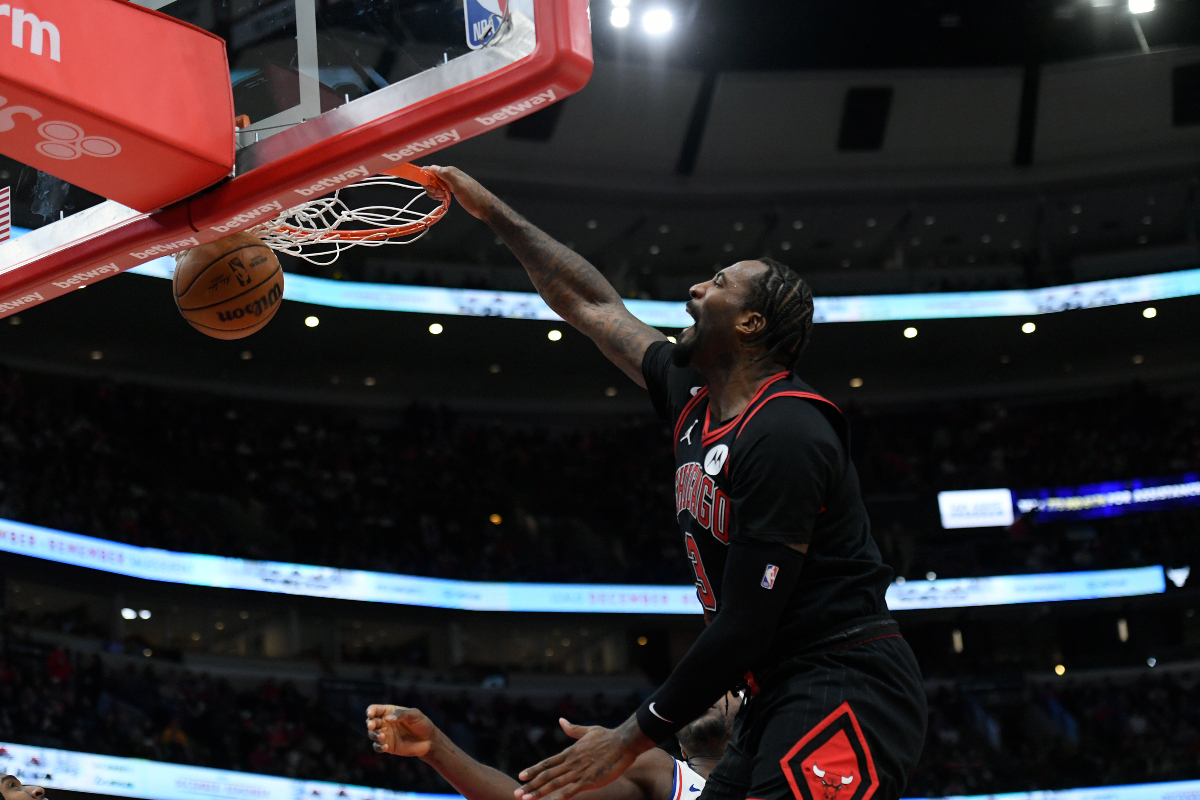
<point>703,587</point>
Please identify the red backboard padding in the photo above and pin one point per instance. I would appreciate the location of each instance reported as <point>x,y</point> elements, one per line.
<point>120,100</point>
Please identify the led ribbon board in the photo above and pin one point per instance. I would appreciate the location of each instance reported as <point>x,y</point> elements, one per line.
<point>668,314</point>
<point>195,569</point>
<point>156,780</point>
<point>1111,498</point>
<point>993,508</point>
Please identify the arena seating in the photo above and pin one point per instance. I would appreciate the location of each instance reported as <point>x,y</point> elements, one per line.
<point>580,502</point>
<point>1093,730</point>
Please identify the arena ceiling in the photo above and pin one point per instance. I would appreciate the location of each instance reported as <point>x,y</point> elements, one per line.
<point>731,35</point>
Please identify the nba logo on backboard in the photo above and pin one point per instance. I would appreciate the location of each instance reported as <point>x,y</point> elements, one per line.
<point>484,18</point>
<point>769,576</point>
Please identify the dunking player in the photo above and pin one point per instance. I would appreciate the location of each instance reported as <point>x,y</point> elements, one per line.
<point>772,515</point>
<point>654,775</point>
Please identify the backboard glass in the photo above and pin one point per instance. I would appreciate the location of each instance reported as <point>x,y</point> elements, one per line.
<point>335,90</point>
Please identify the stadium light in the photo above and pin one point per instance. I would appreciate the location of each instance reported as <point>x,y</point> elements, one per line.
<point>1141,6</point>
<point>554,335</point>
<point>619,17</point>
<point>1150,312</point>
<point>910,333</point>
<point>312,322</point>
<point>657,21</point>
<point>1028,327</point>
<point>436,328</point>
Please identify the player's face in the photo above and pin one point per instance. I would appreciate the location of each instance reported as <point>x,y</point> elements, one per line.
<point>717,306</point>
<point>13,790</point>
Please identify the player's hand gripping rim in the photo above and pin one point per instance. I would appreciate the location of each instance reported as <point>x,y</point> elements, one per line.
<point>597,759</point>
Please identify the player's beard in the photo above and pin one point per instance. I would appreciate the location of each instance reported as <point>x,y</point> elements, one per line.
<point>682,354</point>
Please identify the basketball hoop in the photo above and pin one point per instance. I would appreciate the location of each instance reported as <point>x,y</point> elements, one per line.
<point>319,230</point>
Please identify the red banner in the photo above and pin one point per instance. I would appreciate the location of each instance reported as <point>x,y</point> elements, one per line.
<point>119,100</point>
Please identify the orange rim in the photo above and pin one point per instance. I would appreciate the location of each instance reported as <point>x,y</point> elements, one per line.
<point>408,172</point>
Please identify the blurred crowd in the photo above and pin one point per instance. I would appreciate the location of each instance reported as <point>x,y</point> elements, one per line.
<point>425,491</point>
<point>1100,732</point>
<point>981,740</point>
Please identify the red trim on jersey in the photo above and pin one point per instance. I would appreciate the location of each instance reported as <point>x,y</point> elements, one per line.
<point>805,395</point>
<point>687,409</point>
<point>707,436</point>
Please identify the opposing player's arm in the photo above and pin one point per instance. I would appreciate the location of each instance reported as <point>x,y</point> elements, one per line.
<point>566,281</point>
<point>408,732</point>
<point>740,634</point>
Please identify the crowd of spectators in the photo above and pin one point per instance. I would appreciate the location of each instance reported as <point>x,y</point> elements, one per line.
<point>1099,732</point>
<point>425,491</point>
<point>980,741</point>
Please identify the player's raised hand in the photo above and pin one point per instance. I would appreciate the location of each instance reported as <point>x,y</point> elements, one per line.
<point>400,731</point>
<point>597,759</point>
<point>469,192</point>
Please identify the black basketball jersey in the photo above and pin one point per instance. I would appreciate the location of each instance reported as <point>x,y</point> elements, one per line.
<point>778,472</point>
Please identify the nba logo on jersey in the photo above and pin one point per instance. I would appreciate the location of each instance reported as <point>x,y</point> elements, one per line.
<point>769,576</point>
<point>484,18</point>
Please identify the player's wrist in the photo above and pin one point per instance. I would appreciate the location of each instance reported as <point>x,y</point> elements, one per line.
<point>439,746</point>
<point>633,738</point>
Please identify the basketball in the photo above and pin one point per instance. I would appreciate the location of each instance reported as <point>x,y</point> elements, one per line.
<point>229,288</point>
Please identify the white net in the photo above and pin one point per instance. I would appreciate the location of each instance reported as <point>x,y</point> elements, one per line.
<point>319,230</point>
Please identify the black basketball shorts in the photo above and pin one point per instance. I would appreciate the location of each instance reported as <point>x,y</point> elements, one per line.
<point>843,723</point>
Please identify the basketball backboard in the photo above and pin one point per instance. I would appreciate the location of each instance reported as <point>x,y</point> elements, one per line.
<point>335,90</point>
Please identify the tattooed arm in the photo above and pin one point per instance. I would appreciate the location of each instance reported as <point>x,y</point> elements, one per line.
<point>566,281</point>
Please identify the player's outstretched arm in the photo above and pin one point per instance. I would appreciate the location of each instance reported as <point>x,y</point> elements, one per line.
<point>566,281</point>
<point>408,732</point>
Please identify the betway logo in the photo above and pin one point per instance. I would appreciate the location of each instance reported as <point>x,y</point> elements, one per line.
<point>517,109</point>
<point>84,277</point>
<point>325,184</point>
<point>30,299</point>
<point>164,249</point>
<point>39,31</point>
<point>253,215</point>
<point>413,148</point>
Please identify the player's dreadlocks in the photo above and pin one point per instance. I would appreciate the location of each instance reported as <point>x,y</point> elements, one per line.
<point>786,302</point>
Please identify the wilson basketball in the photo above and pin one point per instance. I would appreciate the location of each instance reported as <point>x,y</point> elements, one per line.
<point>229,288</point>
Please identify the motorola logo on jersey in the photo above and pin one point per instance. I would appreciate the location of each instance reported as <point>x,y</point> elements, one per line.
<point>698,494</point>
<point>715,459</point>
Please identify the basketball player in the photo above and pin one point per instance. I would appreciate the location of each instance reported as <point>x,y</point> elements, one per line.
<point>654,775</point>
<point>12,789</point>
<point>791,581</point>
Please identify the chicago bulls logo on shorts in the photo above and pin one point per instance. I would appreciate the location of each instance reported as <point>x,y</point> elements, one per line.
<point>832,761</point>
